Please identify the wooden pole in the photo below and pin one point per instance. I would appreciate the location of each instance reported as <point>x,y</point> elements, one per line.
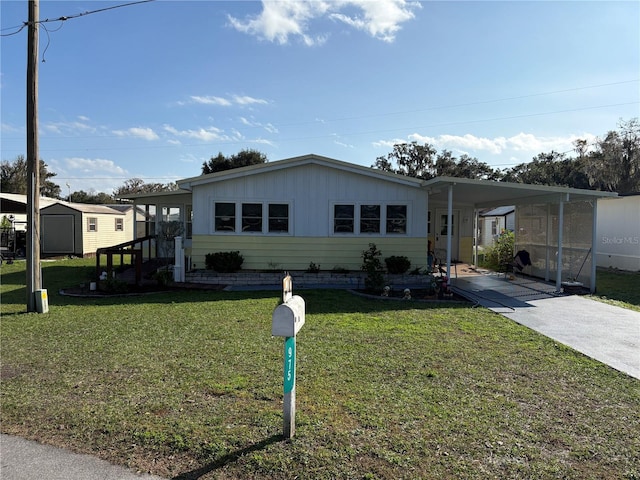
<point>33,160</point>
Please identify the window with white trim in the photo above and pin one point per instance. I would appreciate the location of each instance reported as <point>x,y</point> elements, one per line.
<point>225,217</point>
<point>189,221</point>
<point>119,224</point>
<point>92,224</point>
<point>252,217</point>
<point>343,218</point>
<point>369,218</point>
<point>396,219</point>
<point>278,218</point>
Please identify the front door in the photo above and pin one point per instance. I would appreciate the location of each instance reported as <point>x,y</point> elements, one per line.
<point>441,234</point>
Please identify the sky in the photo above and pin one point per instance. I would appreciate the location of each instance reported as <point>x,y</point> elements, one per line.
<point>152,90</point>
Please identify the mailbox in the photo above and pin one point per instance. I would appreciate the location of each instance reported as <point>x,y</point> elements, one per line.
<point>288,318</point>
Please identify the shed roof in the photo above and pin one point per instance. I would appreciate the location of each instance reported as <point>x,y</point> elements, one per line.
<point>85,208</point>
<point>499,212</point>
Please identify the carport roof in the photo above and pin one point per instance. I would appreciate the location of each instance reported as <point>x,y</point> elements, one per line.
<point>486,193</point>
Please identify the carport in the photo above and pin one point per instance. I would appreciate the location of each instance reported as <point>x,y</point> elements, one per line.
<point>556,225</point>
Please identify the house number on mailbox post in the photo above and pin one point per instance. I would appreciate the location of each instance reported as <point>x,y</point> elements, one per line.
<point>287,320</point>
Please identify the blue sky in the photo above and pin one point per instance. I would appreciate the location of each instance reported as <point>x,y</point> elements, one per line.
<point>153,90</point>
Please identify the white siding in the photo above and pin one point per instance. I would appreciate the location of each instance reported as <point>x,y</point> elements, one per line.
<point>618,233</point>
<point>310,190</point>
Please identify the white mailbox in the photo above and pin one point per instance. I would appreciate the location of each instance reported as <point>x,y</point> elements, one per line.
<point>288,318</point>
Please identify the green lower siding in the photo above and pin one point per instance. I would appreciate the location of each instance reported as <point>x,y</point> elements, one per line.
<point>296,253</point>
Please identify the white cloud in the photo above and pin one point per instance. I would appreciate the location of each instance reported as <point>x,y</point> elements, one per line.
<point>242,100</point>
<point>281,20</point>
<point>70,128</point>
<point>138,132</point>
<point>211,100</point>
<point>203,134</point>
<point>93,166</point>
<point>380,19</point>
<point>267,126</point>
<point>246,100</point>
<point>522,142</point>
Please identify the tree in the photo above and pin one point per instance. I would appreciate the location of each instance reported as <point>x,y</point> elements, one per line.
<point>422,161</point>
<point>549,169</point>
<point>14,178</point>
<point>411,159</point>
<point>91,197</point>
<point>243,158</point>
<point>137,185</point>
<point>614,165</point>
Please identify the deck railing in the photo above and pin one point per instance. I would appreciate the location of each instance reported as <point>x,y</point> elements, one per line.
<point>140,250</point>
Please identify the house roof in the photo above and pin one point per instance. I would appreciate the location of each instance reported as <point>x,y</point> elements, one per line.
<point>311,159</point>
<point>17,203</point>
<point>486,193</point>
<point>499,212</point>
<point>476,193</point>
<point>85,208</point>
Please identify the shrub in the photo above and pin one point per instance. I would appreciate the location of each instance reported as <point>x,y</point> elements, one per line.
<point>313,268</point>
<point>338,269</point>
<point>501,252</point>
<point>397,264</point>
<point>371,264</point>
<point>224,262</point>
<point>163,276</point>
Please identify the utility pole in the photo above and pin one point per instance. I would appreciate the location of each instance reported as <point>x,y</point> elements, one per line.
<point>34,282</point>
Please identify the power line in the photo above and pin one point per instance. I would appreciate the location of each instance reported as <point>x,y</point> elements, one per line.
<point>69,17</point>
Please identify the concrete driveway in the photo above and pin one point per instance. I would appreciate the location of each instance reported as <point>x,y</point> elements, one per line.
<point>604,332</point>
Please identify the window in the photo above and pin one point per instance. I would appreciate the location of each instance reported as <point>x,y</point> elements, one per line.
<point>119,224</point>
<point>92,224</point>
<point>189,222</point>
<point>397,219</point>
<point>343,218</point>
<point>252,217</point>
<point>225,217</point>
<point>278,218</point>
<point>369,218</point>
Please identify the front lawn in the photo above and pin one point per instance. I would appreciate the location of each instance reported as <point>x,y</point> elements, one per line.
<point>188,385</point>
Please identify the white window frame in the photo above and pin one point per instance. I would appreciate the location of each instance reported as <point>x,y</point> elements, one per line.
<point>119,224</point>
<point>383,219</point>
<point>92,224</point>
<point>265,218</point>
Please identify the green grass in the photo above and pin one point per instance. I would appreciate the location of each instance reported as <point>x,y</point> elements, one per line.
<point>188,385</point>
<point>619,288</point>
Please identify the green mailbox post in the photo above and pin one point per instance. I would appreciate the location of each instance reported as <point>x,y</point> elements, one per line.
<point>286,322</point>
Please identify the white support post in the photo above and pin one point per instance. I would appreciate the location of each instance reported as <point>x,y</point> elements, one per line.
<point>559,260</point>
<point>178,263</point>
<point>476,222</point>
<point>449,230</point>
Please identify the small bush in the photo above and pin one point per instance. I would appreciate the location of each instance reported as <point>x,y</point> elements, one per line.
<point>371,264</point>
<point>501,252</point>
<point>313,268</point>
<point>224,262</point>
<point>338,269</point>
<point>163,276</point>
<point>397,264</point>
